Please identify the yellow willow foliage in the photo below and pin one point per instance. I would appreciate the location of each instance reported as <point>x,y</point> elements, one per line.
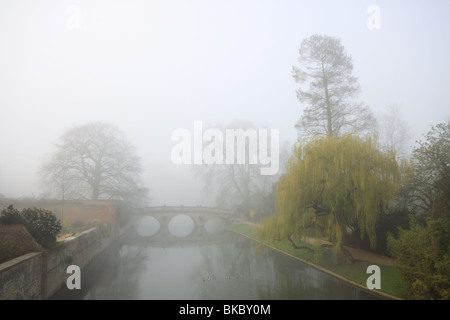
<point>332,183</point>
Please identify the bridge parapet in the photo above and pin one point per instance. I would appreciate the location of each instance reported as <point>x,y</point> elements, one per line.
<point>200,215</point>
<point>186,210</point>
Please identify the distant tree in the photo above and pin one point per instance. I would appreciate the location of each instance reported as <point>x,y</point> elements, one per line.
<point>237,185</point>
<point>264,203</point>
<point>331,185</point>
<point>94,161</point>
<point>394,133</point>
<point>329,90</point>
<point>426,179</point>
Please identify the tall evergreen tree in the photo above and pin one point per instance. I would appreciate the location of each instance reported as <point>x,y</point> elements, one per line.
<point>329,90</point>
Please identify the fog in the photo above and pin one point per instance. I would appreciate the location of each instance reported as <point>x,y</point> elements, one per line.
<point>152,67</point>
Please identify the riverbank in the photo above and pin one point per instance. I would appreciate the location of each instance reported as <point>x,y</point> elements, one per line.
<point>392,286</point>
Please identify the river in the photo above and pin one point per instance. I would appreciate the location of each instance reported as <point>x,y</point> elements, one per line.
<point>223,265</point>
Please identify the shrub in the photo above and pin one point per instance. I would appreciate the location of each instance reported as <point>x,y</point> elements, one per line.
<point>11,215</point>
<point>8,249</point>
<point>423,256</point>
<point>41,224</point>
<point>66,225</point>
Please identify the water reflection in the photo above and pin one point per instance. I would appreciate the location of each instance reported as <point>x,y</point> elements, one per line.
<point>229,268</point>
<point>228,271</point>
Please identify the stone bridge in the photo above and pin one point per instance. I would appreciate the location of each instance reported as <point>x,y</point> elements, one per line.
<point>199,215</point>
<point>174,225</point>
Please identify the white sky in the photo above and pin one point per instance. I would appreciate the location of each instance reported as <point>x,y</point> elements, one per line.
<point>151,67</point>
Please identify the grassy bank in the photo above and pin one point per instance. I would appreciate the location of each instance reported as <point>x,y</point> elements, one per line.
<point>391,279</point>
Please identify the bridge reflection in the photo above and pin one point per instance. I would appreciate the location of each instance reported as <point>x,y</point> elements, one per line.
<point>164,239</point>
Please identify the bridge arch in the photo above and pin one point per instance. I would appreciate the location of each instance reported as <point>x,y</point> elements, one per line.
<point>181,221</point>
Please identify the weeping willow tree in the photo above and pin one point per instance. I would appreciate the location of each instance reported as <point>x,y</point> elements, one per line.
<point>331,184</point>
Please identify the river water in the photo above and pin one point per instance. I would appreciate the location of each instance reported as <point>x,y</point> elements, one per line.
<point>221,265</point>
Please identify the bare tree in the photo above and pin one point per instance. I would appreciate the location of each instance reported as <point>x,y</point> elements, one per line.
<point>394,133</point>
<point>329,90</point>
<point>93,161</point>
<point>236,184</point>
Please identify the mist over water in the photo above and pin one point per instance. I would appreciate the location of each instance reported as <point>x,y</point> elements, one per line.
<point>225,267</point>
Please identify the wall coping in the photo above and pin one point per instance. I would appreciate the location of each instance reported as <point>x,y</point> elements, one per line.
<point>11,263</point>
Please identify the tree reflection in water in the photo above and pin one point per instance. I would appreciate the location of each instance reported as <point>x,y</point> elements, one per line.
<point>226,267</point>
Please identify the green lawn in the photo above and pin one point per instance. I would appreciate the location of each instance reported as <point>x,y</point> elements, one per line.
<point>391,279</point>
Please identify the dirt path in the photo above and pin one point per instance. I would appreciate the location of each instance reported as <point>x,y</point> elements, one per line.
<point>358,254</point>
<point>363,255</point>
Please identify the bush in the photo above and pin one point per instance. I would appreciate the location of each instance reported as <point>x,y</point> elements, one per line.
<point>8,249</point>
<point>41,224</point>
<point>11,215</point>
<point>66,225</point>
<point>423,256</point>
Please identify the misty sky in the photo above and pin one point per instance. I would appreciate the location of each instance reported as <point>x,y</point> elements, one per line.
<point>151,67</point>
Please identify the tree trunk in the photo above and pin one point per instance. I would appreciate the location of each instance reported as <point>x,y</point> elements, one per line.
<point>294,245</point>
<point>345,253</point>
<point>327,102</point>
<point>94,193</point>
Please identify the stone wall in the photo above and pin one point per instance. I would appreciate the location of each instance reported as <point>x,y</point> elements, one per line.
<point>39,275</point>
<point>21,278</point>
<point>76,251</point>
